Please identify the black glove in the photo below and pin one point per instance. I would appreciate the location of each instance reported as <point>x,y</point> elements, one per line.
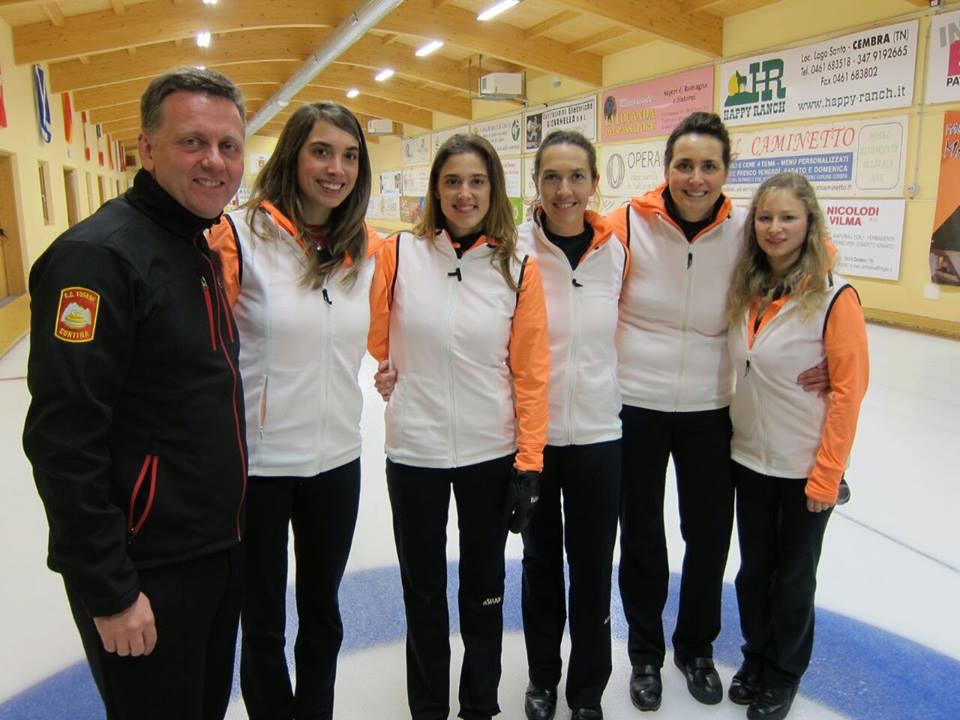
<point>523,492</point>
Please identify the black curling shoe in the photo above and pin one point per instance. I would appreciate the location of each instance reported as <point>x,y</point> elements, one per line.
<point>703,682</point>
<point>771,704</point>
<point>540,704</point>
<point>646,688</point>
<point>745,686</point>
<point>587,714</point>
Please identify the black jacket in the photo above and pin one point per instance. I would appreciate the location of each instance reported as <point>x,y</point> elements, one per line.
<point>136,425</point>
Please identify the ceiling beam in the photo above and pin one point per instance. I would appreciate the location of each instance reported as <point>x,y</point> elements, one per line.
<point>664,18</point>
<point>597,39</point>
<point>291,45</point>
<point>541,28</point>
<point>54,14</point>
<point>697,5</point>
<point>155,21</point>
<point>459,27</point>
<point>337,75</point>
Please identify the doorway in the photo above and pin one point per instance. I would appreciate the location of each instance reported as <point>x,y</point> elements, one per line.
<point>12,275</point>
<point>71,186</point>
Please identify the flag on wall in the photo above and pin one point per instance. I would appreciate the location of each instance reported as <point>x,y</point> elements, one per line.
<point>67,117</point>
<point>99,148</point>
<point>86,139</point>
<point>43,104</point>
<point>3,109</point>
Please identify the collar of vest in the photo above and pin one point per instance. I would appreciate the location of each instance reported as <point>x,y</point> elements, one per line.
<point>286,224</point>
<point>651,203</point>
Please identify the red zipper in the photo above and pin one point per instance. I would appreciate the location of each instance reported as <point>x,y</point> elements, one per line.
<point>149,462</point>
<point>209,303</point>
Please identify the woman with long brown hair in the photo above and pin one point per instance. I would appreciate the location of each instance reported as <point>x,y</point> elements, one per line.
<point>468,340</point>
<point>300,268</point>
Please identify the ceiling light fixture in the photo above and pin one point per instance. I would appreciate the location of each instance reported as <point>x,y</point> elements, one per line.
<point>203,39</point>
<point>352,93</point>
<point>384,74</point>
<point>430,47</point>
<point>209,2</point>
<point>494,10</point>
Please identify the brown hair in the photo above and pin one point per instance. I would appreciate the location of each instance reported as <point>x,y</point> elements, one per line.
<point>277,183</point>
<point>498,223</point>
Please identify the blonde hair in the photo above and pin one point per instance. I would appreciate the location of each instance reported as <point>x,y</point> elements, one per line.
<point>806,279</point>
<point>498,223</point>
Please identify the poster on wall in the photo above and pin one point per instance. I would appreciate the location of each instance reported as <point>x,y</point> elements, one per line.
<point>841,159</point>
<point>416,150</point>
<point>257,161</point>
<point>503,133</point>
<point>440,136</point>
<point>868,235</point>
<point>415,180</point>
<point>631,169</point>
<point>579,115</point>
<point>390,205</point>
<point>3,108</point>
<point>513,175</point>
<point>862,72</point>
<point>652,108</point>
<point>945,242</point>
<point>943,58</point>
<point>411,209</point>
<point>391,182</point>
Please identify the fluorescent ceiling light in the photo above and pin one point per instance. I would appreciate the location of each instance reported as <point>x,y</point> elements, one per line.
<point>494,10</point>
<point>203,39</point>
<point>209,2</point>
<point>352,93</point>
<point>430,47</point>
<point>200,67</point>
<point>384,74</point>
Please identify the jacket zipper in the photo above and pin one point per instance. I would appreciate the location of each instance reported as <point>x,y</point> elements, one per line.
<point>451,385</point>
<point>233,399</point>
<point>133,528</point>
<point>683,329</point>
<point>209,305</point>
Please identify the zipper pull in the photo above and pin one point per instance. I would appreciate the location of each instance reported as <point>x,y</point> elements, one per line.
<point>326,297</point>
<point>689,258</point>
<point>456,273</point>
<point>747,371</point>
<point>576,283</point>
<point>203,282</point>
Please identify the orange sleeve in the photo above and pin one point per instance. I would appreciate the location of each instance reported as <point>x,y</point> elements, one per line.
<point>618,221</point>
<point>222,241</point>
<point>377,337</point>
<point>845,344</point>
<point>530,366</point>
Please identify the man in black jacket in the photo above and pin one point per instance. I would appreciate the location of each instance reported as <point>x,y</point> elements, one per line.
<point>136,425</point>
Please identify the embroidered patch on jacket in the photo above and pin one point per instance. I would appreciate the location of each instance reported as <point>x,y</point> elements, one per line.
<point>77,315</point>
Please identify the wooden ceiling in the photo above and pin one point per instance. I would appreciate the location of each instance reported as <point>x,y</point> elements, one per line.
<point>106,51</point>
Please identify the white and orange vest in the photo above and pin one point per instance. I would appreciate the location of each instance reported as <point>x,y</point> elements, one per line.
<point>582,307</point>
<point>671,340</point>
<point>300,348</point>
<point>471,354</point>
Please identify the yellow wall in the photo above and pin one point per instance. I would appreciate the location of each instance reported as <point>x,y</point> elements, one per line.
<point>21,139</point>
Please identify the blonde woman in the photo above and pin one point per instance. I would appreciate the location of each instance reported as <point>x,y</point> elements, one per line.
<point>787,310</point>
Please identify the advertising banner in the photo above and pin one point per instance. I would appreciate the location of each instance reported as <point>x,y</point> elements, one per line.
<point>945,243</point>
<point>862,72</point>
<point>655,107</point>
<point>840,159</point>
<point>503,133</point>
<point>943,59</point>
<point>512,172</point>
<point>868,235</point>
<point>416,150</point>
<point>631,169</point>
<point>579,115</point>
<point>411,208</point>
